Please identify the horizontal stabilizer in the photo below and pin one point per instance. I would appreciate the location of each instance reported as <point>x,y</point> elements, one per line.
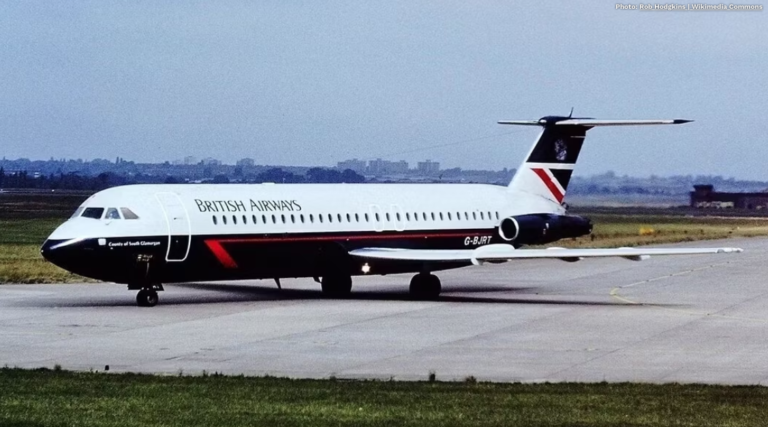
<point>559,121</point>
<point>502,252</point>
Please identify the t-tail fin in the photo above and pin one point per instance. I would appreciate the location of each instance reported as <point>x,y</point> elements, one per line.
<point>547,168</point>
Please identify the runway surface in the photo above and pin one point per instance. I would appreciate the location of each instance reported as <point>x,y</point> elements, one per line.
<point>668,319</point>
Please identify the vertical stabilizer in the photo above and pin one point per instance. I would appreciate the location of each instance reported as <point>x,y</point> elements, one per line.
<point>546,171</point>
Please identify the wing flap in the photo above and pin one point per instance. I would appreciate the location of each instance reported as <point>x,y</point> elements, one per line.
<point>432,255</point>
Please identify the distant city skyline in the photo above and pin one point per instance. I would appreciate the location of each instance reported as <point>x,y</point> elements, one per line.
<point>317,83</point>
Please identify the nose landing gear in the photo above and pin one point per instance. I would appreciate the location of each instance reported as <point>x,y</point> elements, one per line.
<point>147,296</point>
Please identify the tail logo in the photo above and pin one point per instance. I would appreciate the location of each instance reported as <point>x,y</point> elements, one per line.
<point>561,150</point>
<point>554,186</point>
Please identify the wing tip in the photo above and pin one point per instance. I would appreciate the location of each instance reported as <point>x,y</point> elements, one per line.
<point>730,250</point>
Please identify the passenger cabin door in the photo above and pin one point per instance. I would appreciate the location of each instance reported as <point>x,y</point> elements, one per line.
<point>179,226</point>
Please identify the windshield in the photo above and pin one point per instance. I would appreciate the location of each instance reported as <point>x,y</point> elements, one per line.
<point>128,214</point>
<point>77,212</point>
<point>112,213</point>
<point>94,213</point>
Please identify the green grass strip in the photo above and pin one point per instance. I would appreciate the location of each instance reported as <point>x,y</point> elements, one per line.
<point>51,398</point>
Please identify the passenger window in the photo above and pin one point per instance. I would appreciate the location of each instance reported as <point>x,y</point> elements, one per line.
<point>349,219</point>
<point>112,213</point>
<point>387,215</point>
<point>466,216</point>
<point>254,219</point>
<point>311,218</point>
<point>339,217</point>
<point>441,216</point>
<point>330,218</point>
<point>282,218</point>
<point>366,217</point>
<point>474,216</point>
<point>214,220</point>
<point>433,216</point>
<point>274,219</point>
<point>424,214</point>
<point>77,212</point>
<point>245,220</point>
<point>234,219</point>
<point>497,215</point>
<point>320,218</point>
<point>93,213</point>
<point>407,216</point>
<point>263,219</point>
<point>224,219</point>
<point>293,219</point>
<point>357,218</point>
<point>302,218</point>
<point>377,217</point>
<point>449,216</point>
<point>481,216</point>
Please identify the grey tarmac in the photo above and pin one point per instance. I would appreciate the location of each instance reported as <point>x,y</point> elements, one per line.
<point>700,319</point>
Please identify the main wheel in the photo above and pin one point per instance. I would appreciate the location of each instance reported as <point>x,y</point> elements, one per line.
<point>147,298</point>
<point>425,287</point>
<point>336,286</point>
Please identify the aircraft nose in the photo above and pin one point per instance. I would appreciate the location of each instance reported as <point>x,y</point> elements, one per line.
<point>48,252</point>
<point>58,252</point>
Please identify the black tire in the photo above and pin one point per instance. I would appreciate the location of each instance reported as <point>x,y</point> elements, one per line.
<point>147,298</point>
<point>425,287</point>
<point>336,286</point>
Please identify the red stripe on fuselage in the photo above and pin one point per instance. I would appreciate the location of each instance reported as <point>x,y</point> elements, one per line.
<point>226,260</point>
<point>347,238</point>
<point>550,185</point>
<point>221,254</point>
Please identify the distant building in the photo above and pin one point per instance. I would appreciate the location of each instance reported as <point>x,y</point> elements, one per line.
<point>354,164</point>
<point>399,167</point>
<point>246,162</point>
<point>705,197</point>
<point>190,160</point>
<point>386,167</point>
<point>428,167</point>
<point>210,161</point>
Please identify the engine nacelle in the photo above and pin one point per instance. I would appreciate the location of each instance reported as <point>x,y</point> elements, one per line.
<point>536,229</point>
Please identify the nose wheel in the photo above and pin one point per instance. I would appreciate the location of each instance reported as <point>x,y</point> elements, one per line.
<point>147,298</point>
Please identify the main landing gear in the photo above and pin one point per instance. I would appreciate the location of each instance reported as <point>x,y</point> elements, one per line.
<point>336,285</point>
<point>425,286</point>
<point>147,296</point>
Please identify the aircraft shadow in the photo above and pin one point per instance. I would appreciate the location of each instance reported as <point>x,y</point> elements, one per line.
<point>226,293</point>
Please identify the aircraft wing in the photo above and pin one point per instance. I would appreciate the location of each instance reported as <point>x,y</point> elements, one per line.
<point>502,252</point>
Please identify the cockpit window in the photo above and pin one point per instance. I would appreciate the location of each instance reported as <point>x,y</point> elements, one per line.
<point>128,214</point>
<point>77,212</point>
<point>94,213</point>
<point>112,213</point>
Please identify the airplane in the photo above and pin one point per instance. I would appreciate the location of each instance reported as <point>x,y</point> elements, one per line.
<point>147,235</point>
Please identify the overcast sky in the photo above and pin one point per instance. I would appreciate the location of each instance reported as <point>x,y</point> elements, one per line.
<point>308,83</point>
